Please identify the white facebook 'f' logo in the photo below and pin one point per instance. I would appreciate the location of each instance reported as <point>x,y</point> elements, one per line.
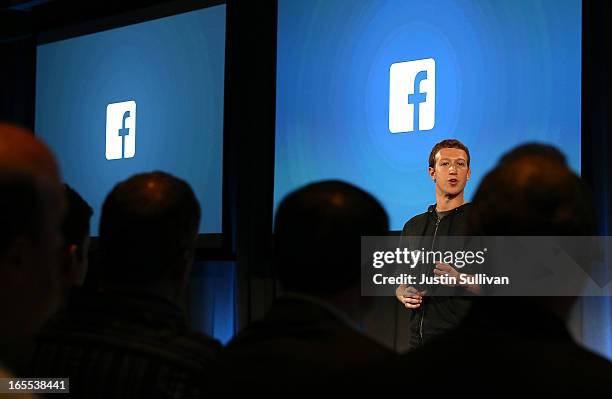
<point>121,130</point>
<point>412,95</point>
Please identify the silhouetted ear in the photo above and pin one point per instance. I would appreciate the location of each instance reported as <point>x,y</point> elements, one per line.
<point>71,264</point>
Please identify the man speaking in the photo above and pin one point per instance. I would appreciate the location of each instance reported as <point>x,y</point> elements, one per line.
<point>431,316</point>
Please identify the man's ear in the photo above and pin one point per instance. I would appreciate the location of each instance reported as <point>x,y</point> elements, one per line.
<point>469,173</point>
<point>432,173</point>
<point>69,265</point>
<point>72,250</point>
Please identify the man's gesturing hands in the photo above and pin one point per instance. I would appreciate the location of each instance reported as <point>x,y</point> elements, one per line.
<point>409,296</point>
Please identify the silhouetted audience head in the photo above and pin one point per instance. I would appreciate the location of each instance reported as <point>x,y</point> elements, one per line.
<point>317,236</point>
<point>532,191</point>
<point>31,209</point>
<point>75,230</point>
<point>22,154</point>
<point>148,229</point>
<point>534,149</point>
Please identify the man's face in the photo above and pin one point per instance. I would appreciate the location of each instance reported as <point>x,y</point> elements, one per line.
<point>451,171</point>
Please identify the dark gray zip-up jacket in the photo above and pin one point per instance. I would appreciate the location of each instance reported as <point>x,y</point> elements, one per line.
<point>437,314</point>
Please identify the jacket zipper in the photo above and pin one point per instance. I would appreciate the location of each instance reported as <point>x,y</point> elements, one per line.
<point>423,308</point>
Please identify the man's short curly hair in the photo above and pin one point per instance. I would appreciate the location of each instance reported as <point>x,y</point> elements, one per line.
<point>448,143</point>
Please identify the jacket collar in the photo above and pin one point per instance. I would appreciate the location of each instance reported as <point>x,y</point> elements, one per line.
<point>460,208</point>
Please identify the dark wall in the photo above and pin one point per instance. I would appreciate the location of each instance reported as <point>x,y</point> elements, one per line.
<point>17,69</point>
<point>250,125</point>
<point>596,105</point>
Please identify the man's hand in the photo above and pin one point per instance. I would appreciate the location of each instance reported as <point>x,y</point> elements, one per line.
<point>409,296</point>
<point>444,269</point>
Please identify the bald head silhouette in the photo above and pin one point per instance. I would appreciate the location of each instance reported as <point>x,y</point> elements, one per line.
<point>148,226</point>
<point>31,206</point>
<point>318,231</point>
<point>22,154</point>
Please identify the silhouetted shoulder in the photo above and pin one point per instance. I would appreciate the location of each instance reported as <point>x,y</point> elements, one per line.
<point>200,347</point>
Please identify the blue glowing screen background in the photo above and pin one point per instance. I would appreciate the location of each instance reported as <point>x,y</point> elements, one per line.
<point>173,69</point>
<point>506,72</point>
